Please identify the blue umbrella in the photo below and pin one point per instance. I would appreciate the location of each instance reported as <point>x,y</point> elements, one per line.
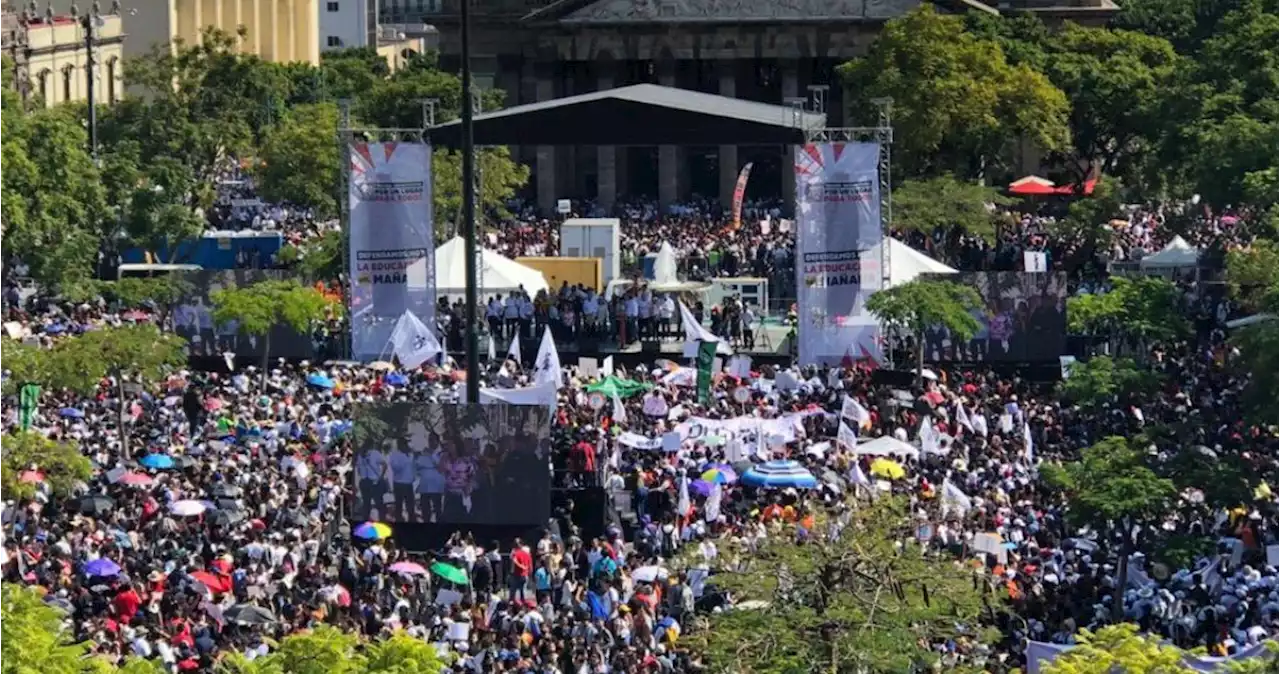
<point>396,379</point>
<point>320,381</point>
<point>71,413</point>
<point>54,329</point>
<point>700,487</point>
<point>779,474</point>
<point>101,567</point>
<point>157,461</point>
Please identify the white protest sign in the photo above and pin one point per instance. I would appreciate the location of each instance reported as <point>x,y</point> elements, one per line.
<point>563,206</point>
<point>588,367</point>
<point>1035,262</point>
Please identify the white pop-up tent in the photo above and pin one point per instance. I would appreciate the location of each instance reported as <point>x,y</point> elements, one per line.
<point>496,273</point>
<point>665,279</point>
<point>907,263</point>
<point>1177,255</point>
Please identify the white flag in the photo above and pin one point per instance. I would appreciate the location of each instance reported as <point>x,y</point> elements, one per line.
<point>683,502</point>
<point>930,438</point>
<point>493,349</point>
<point>548,364</point>
<point>855,412</point>
<point>979,420</point>
<point>619,410</point>
<point>694,333</point>
<point>845,437</point>
<point>1029,450</point>
<point>962,417</point>
<point>954,497</point>
<point>413,342</point>
<point>513,351</point>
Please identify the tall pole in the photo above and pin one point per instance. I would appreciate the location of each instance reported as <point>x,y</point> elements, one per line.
<point>90,64</point>
<point>469,209</point>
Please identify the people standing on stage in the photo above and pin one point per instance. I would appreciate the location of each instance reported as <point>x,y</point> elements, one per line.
<point>372,468</point>
<point>402,477</point>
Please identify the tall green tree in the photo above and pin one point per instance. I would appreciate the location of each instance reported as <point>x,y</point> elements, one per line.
<point>865,601</point>
<point>926,205</point>
<point>61,464</point>
<point>1118,648</point>
<point>1102,380</point>
<point>257,309</point>
<point>500,178</point>
<point>922,304</point>
<point>1108,487</point>
<point>1253,275</point>
<point>54,204</point>
<point>130,355</point>
<point>1096,68</point>
<point>1136,313</point>
<point>37,640</point>
<point>300,159</point>
<point>958,105</point>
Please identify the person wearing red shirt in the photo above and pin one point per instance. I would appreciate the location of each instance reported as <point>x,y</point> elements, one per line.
<point>584,458</point>
<point>126,604</point>
<point>521,567</point>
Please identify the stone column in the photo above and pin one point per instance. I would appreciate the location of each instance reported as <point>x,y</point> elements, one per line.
<point>790,70</point>
<point>546,153</point>
<point>251,18</point>
<point>268,27</point>
<point>290,9</point>
<point>211,14</point>
<point>606,156</point>
<point>728,153</point>
<point>306,36</point>
<point>668,178</point>
<point>190,16</point>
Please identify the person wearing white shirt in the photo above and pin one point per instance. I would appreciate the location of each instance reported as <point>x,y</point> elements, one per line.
<point>666,316</point>
<point>430,480</point>
<point>493,314</point>
<point>511,313</point>
<point>402,476</point>
<point>646,315</point>
<point>590,307</point>
<point>633,318</point>
<point>526,317</point>
<point>371,466</point>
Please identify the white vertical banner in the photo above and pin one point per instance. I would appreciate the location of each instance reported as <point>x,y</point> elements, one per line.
<point>392,244</point>
<point>839,238</point>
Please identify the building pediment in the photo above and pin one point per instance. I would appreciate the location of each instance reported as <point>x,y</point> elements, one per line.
<point>724,11</point>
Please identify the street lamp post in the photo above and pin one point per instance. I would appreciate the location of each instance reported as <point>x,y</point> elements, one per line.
<point>89,21</point>
<point>469,208</point>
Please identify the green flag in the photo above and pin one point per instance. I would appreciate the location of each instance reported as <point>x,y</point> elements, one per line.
<point>28,402</point>
<point>706,358</point>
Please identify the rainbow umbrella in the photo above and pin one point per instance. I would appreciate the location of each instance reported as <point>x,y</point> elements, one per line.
<point>372,531</point>
<point>720,476</point>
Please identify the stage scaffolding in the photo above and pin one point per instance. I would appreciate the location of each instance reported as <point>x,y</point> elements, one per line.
<point>348,134</point>
<point>881,133</point>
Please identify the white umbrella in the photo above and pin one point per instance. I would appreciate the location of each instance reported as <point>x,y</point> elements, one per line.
<point>649,574</point>
<point>187,508</point>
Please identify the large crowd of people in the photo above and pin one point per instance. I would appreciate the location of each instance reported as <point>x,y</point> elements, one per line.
<point>225,525</point>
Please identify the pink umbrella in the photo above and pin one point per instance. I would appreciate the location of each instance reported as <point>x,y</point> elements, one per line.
<point>212,404</point>
<point>135,315</point>
<point>408,568</point>
<point>137,479</point>
<point>31,476</point>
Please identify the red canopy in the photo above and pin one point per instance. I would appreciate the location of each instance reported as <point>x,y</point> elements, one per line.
<point>1037,186</point>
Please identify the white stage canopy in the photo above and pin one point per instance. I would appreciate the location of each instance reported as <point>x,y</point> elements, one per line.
<point>497,274</point>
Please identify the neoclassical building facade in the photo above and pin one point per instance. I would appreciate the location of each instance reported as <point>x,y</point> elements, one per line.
<point>763,50</point>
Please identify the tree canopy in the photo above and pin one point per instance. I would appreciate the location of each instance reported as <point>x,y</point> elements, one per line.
<point>921,304</point>
<point>859,600</point>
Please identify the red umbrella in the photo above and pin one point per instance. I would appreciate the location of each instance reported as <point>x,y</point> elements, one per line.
<point>31,476</point>
<point>1031,185</point>
<point>216,584</point>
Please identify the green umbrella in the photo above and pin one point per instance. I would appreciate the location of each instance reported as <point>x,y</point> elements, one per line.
<point>623,388</point>
<point>449,572</point>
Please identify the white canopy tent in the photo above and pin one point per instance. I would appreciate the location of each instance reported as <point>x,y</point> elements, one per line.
<point>495,274</point>
<point>1177,255</point>
<point>665,279</point>
<point>907,263</point>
